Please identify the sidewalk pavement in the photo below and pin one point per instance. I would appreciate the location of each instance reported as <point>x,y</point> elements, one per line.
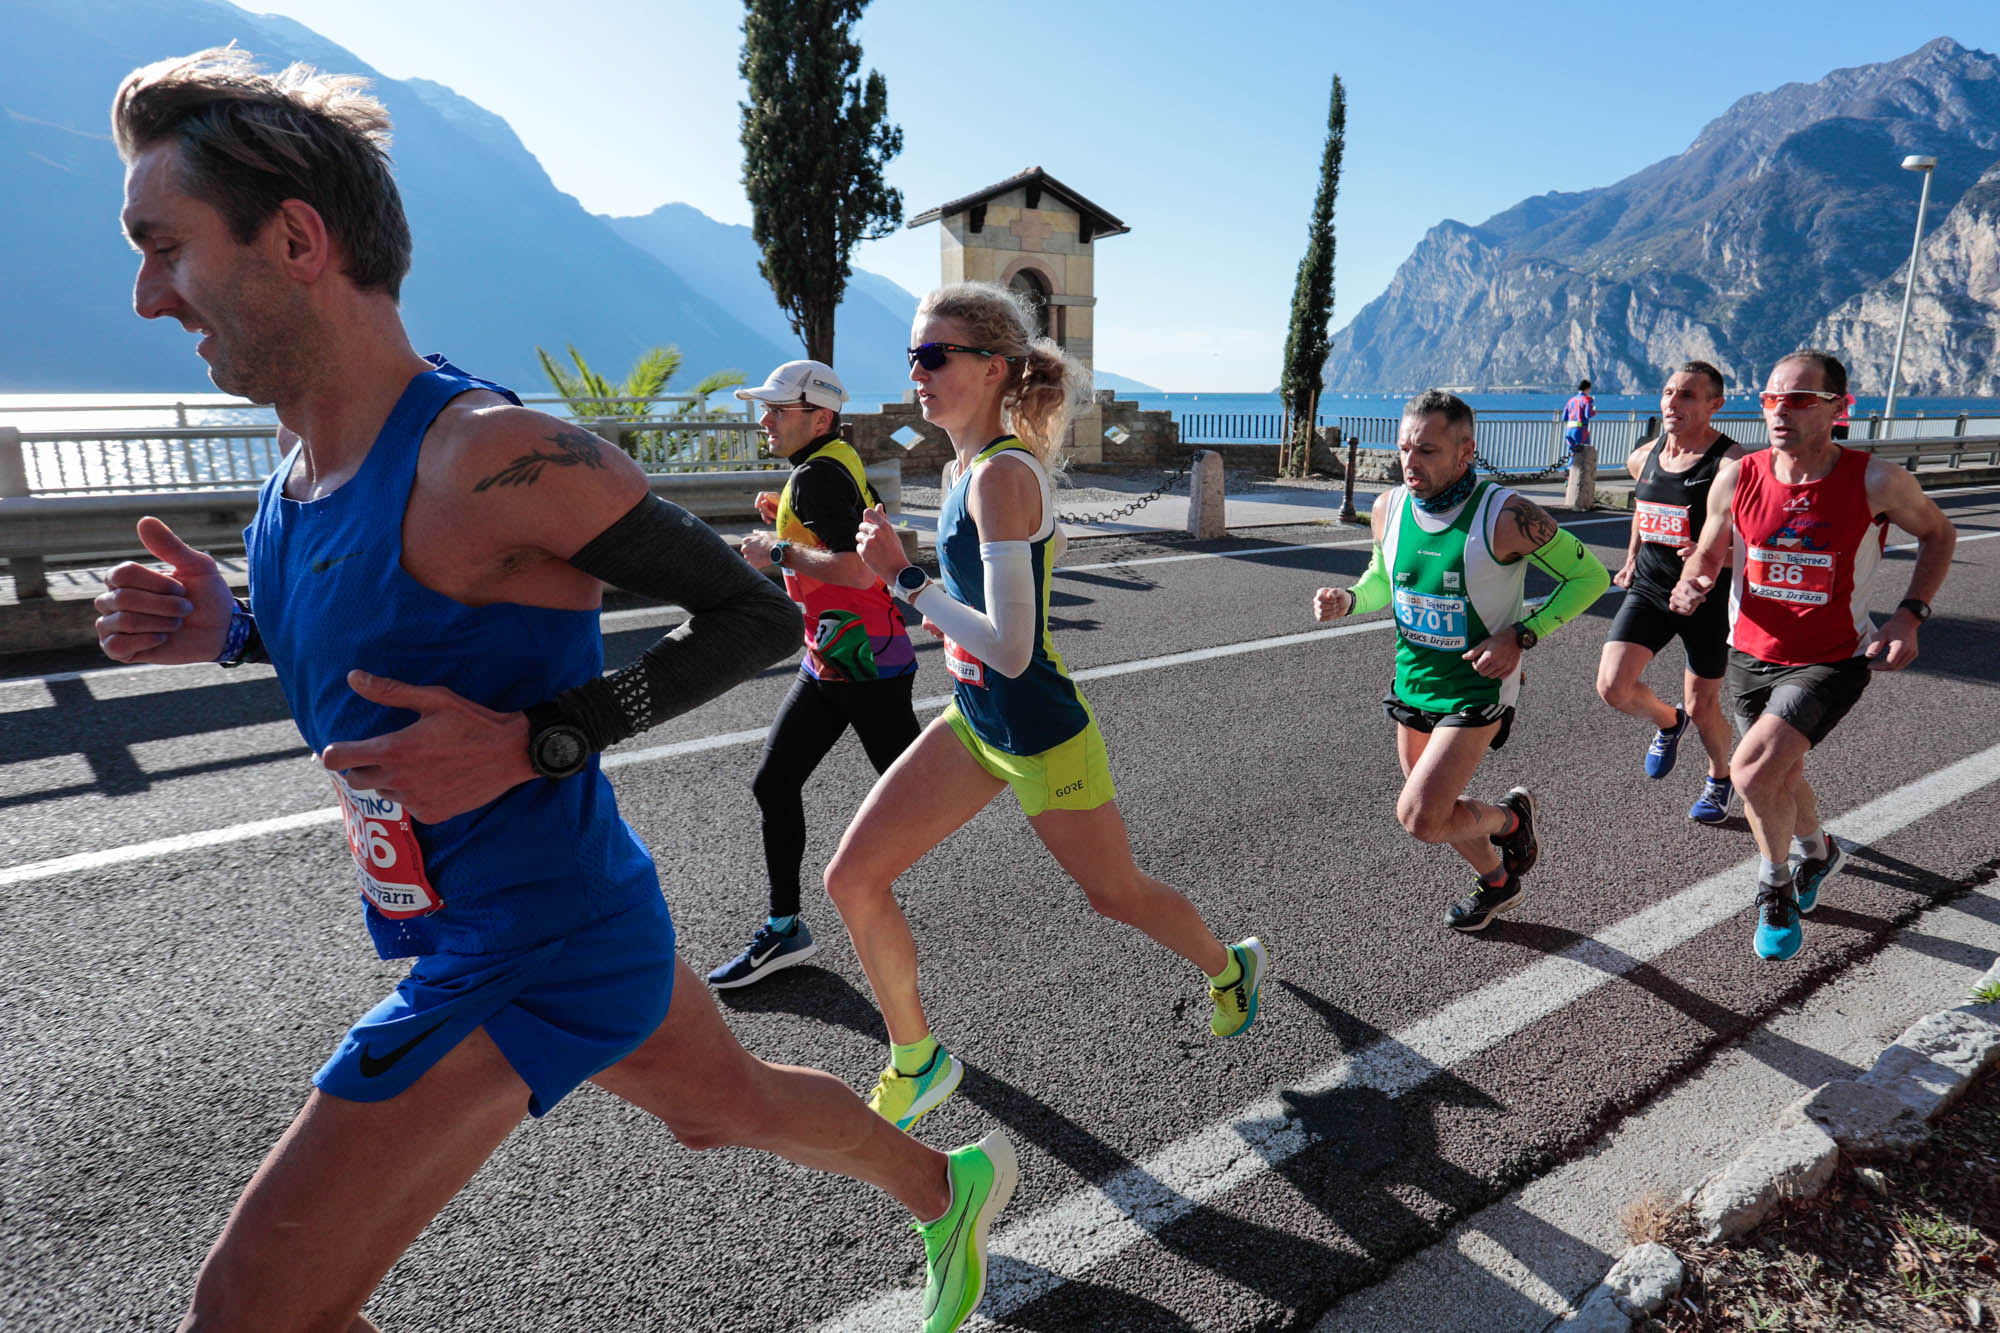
<point>1524,1262</point>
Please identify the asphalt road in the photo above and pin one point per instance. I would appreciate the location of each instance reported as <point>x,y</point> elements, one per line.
<point>168,994</point>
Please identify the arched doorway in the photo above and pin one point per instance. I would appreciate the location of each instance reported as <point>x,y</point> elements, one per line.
<point>1036,288</point>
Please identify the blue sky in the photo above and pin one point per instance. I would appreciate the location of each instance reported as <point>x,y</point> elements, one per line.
<point>1198,124</point>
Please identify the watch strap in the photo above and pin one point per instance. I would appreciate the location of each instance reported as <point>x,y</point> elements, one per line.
<point>1916,607</point>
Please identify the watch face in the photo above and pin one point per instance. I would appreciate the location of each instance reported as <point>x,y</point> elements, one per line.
<point>912,579</point>
<point>559,751</point>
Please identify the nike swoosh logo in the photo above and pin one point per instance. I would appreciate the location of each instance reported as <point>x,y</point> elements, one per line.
<point>321,566</point>
<point>951,1248</point>
<point>757,958</point>
<point>373,1066</point>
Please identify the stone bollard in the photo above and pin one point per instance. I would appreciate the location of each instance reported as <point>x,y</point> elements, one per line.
<point>1206,517</point>
<point>1581,492</point>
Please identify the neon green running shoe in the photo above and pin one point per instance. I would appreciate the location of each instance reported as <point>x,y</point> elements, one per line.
<point>1236,1005</point>
<point>904,1099</point>
<point>982,1180</point>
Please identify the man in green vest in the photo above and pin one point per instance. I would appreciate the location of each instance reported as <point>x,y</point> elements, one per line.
<point>859,666</point>
<point>1451,556</point>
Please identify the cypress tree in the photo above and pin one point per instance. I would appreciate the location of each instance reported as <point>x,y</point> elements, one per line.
<point>816,137</point>
<point>1307,344</point>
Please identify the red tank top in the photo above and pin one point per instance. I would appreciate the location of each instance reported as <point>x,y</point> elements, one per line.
<point>1804,558</point>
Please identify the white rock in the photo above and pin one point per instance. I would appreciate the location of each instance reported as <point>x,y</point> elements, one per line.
<point>1796,1161</point>
<point>1934,1061</point>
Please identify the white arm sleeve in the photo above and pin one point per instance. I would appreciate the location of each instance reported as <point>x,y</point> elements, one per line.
<point>1003,637</point>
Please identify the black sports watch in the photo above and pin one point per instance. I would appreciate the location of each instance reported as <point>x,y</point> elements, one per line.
<point>779,550</point>
<point>556,749</point>
<point>1525,637</point>
<point>910,581</point>
<point>1921,610</point>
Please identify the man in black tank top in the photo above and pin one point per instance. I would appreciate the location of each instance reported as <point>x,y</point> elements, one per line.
<point>1671,478</point>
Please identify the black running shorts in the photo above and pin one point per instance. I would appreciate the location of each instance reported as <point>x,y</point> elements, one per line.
<point>1811,698</point>
<point>1484,715</point>
<point>1704,635</point>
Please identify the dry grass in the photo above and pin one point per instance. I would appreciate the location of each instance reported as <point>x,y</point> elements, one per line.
<point>1905,1246</point>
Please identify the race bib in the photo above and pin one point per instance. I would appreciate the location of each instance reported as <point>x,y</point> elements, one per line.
<point>1431,622</point>
<point>1804,577</point>
<point>387,859</point>
<point>1663,523</point>
<point>963,665</point>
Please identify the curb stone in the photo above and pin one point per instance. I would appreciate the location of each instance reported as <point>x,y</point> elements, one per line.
<point>1886,1111</point>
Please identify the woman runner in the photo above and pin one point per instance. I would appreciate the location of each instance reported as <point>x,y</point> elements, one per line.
<point>1005,398</point>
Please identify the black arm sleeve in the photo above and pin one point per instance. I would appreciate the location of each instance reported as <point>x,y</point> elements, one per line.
<point>826,500</point>
<point>739,621</point>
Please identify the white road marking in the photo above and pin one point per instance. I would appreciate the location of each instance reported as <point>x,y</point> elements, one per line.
<point>142,851</point>
<point>1039,1254</point>
<point>636,615</point>
<point>1962,541</point>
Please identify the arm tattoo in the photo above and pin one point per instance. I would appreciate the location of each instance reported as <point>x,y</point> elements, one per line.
<point>1537,528</point>
<point>573,448</point>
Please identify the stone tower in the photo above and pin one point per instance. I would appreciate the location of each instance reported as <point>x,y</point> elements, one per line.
<point>1034,234</point>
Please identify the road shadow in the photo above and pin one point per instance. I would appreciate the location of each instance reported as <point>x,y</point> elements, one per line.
<point>106,732</point>
<point>1795,1060</point>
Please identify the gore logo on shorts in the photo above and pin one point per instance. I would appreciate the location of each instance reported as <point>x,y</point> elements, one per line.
<point>964,667</point>
<point>1071,790</point>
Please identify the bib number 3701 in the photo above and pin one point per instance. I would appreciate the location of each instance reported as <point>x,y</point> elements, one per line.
<point>387,859</point>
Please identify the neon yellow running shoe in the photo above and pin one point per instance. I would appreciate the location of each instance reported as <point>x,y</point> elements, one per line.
<point>982,1180</point>
<point>903,1099</point>
<point>1236,1004</point>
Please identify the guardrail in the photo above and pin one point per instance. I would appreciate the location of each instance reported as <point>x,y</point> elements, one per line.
<point>35,529</point>
<point>222,457</point>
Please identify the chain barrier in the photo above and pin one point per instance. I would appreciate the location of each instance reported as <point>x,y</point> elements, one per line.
<point>1496,473</point>
<point>1174,479</point>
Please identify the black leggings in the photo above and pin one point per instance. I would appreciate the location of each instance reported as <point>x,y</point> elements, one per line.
<point>808,723</point>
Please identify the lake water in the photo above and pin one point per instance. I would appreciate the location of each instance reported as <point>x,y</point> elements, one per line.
<point>37,412</point>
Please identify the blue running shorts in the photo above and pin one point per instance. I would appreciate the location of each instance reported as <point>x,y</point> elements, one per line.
<point>560,1012</point>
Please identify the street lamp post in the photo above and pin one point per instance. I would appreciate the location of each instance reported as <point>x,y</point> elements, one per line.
<point>1923,165</point>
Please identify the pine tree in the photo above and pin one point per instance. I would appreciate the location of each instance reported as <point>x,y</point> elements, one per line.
<point>816,137</point>
<point>1307,344</point>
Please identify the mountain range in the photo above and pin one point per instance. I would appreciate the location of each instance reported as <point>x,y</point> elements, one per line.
<point>504,261</point>
<point>1785,223</point>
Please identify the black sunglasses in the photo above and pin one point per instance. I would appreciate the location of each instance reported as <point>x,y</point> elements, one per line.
<point>931,356</point>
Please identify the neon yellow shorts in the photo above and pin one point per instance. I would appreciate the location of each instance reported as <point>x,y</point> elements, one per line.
<point>1075,775</point>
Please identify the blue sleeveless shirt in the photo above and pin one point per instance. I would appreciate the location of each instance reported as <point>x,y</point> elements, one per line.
<point>1040,708</point>
<point>329,591</point>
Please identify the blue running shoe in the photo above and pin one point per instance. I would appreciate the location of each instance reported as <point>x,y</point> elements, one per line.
<point>1808,873</point>
<point>1779,933</point>
<point>769,951</point>
<point>1712,806</point>
<point>1666,746</point>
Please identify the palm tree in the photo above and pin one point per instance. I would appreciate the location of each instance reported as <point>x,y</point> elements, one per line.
<point>590,396</point>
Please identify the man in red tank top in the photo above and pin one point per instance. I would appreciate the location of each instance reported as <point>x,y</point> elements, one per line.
<point>1806,520</point>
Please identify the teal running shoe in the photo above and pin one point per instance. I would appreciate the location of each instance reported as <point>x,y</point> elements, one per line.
<point>1809,873</point>
<point>904,1099</point>
<point>982,1180</point>
<point>1779,932</point>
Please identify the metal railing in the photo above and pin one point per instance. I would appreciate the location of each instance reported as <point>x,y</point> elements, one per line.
<point>202,458</point>
<point>227,411</point>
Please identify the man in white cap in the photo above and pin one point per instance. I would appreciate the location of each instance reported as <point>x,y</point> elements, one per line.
<point>859,667</point>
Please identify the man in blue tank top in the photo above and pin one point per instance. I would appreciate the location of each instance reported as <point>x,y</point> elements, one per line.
<point>426,569</point>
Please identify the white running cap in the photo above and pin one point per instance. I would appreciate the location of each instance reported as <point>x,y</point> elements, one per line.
<point>800,382</point>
